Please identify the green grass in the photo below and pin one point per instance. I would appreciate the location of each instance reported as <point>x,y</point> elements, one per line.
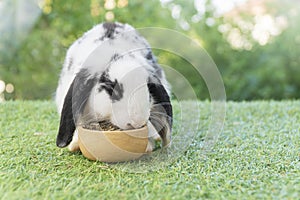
<point>256,156</point>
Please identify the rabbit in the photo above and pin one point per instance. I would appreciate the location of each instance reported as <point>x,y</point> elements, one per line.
<point>110,73</point>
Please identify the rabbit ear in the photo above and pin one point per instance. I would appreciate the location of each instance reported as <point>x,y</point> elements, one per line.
<point>73,107</point>
<point>67,124</point>
<point>161,115</point>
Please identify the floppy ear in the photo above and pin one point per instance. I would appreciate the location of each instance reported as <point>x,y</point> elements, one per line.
<point>73,107</point>
<point>67,124</point>
<point>161,115</point>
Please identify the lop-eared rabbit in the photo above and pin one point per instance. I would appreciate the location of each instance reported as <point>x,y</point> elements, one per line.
<point>110,73</point>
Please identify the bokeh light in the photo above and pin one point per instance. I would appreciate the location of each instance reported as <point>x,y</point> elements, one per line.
<point>10,88</point>
<point>109,16</point>
<point>2,86</point>
<point>109,4</point>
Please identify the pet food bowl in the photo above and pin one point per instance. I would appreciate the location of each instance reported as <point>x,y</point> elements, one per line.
<point>113,146</point>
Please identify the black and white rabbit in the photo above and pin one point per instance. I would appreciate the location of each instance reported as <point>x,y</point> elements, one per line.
<point>111,74</point>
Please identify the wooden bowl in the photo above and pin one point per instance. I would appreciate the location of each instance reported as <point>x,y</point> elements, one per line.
<point>113,146</point>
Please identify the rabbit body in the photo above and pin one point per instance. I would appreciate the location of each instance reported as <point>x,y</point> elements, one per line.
<point>111,74</point>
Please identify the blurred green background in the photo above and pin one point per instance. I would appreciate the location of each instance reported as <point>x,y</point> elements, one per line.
<point>254,43</point>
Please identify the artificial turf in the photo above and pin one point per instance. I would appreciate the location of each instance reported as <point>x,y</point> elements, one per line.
<point>256,156</point>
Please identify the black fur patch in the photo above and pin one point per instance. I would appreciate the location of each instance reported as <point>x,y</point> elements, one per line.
<point>67,124</point>
<point>74,105</point>
<point>109,29</point>
<point>162,108</point>
<point>83,84</point>
<point>115,57</point>
<point>114,89</point>
<point>149,56</point>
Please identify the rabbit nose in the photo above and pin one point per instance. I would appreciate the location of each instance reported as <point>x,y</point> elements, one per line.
<point>129,126</point>
<point>136,125</point>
